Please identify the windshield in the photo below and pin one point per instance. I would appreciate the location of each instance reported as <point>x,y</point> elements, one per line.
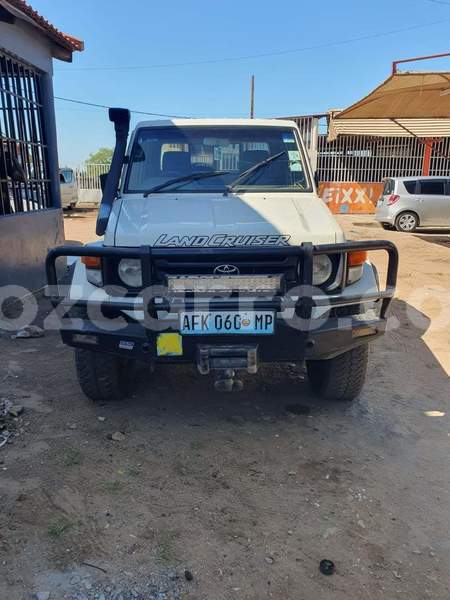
<point>162,154</point>
<point>65,176</point>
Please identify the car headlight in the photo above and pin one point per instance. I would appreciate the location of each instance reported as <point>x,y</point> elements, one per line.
<point>355,265</point>
<point>322,268</point>
<point>130,272</point>
<point>93,266</point>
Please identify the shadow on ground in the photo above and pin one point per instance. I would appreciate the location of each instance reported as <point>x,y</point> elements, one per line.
<point>246,493</point>
<point>435,237</point>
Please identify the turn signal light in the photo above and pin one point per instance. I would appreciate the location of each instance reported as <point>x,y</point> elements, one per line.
<point>92,262</point>
<point>393,198</point>
<point>356,258</point>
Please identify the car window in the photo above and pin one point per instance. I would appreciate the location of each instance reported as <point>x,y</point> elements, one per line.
<point>388,187</point>
<point>66,176</point>
<point>160,154</point>
<point>410,186</point>
<point>435,187</point>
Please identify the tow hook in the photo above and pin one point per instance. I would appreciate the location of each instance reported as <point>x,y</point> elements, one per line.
<point>227,382</point>
<point>225,360</point>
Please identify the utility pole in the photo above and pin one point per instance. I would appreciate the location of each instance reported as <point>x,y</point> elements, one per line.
<point>252,98</point>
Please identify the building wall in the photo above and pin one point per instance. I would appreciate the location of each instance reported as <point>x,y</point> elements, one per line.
<point>23,40</point>
<point>25,240</point>
<point>350,196</point>
<point>25,237</point>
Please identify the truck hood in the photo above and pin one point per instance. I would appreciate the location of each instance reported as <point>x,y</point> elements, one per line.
<point>274,219</point>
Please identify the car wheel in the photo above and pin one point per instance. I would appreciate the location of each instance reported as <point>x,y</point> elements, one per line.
<point>104,377</point>
<point>340,378</point>
<point>407,222</point>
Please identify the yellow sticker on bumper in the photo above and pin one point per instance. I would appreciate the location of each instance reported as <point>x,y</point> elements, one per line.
<point>169,344</point>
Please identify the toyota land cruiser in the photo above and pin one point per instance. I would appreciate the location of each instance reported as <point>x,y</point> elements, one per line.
<point>217,251</point>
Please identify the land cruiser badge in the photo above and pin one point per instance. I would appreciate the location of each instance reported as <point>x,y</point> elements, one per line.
<point>221,240</point>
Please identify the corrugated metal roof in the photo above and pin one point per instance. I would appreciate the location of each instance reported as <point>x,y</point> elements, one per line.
<point>410,95</point>
<point>63,39</point>
<point>423,128</point>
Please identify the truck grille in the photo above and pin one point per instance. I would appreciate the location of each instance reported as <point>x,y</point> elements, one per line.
<point>207,265</point>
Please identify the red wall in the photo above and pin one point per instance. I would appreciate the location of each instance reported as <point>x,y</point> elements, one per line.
<point>350,197</point>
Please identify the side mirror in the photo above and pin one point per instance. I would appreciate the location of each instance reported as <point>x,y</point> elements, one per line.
<point>103,177</point>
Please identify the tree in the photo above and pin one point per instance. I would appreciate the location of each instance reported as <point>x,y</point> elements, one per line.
<point>103,156</point>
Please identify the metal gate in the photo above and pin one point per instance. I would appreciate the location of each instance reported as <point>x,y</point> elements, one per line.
<point>24,174</point>
<point>365,159</point>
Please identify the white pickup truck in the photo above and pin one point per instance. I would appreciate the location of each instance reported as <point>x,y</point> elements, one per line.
<point>218,252</point>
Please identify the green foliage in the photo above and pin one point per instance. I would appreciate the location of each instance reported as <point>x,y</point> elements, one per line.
<point>103,156</point>
<point>72,457</point>
<point>58,526</point>
<point>113,486</point>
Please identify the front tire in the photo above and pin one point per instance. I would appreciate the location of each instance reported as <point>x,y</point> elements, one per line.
<point>103,377</point>
<point>407,222</point>
<point>341,378</point>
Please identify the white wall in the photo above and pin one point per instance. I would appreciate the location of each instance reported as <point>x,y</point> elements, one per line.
<point>27,43</point>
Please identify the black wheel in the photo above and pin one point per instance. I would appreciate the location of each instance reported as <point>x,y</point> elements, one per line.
<point>104,377</point>
<point>407,221</point>
<point>339,378</point>
<point>387,226</point>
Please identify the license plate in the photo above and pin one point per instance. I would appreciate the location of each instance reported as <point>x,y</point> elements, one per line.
<point>213,323</point>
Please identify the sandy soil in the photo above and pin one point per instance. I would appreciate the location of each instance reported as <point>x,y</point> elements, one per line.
<point>234,488</point>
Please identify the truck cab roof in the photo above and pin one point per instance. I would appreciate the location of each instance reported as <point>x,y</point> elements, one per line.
<point>216,122</point>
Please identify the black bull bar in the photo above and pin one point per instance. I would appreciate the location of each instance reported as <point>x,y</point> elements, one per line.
<point>305,253</point>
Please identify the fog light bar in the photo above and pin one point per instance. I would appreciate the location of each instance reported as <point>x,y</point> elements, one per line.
<point>203,284</point>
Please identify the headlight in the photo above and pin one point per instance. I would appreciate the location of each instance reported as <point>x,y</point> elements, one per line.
<point>93,265</point>
<point>355,265</point>
<point>130,272</point>
<point>322,269</point>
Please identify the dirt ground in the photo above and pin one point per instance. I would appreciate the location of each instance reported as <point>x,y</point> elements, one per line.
<point>243,494</point>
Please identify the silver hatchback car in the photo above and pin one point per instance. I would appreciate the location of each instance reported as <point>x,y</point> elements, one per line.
<point>411,202</point>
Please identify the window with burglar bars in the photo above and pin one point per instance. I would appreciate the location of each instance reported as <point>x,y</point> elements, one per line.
<point>24,175</point>
<point>371,159</point>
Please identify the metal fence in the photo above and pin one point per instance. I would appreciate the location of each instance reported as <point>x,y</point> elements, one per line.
<point>368,159</point>
<point>24,175</point>
<point>88,175</point>
<point>371,159</point>
<point>440,158</point>
<point>363,159</point>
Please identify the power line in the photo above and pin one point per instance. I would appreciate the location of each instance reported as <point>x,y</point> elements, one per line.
<point>439,2</point>
<point>266,54</point>
<point>137,112</point>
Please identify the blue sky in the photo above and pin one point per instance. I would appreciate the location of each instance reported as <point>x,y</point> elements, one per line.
<point>140,33</point>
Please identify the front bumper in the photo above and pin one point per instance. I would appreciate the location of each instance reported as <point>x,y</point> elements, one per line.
<point>287,344</point>
<point>385,214</point>
<point>295,338</point>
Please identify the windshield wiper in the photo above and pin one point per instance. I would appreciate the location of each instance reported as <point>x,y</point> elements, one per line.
<point>251,170</point>
<point>184,178</point>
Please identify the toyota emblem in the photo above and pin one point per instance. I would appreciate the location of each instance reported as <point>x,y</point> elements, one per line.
<point>226,270</point>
